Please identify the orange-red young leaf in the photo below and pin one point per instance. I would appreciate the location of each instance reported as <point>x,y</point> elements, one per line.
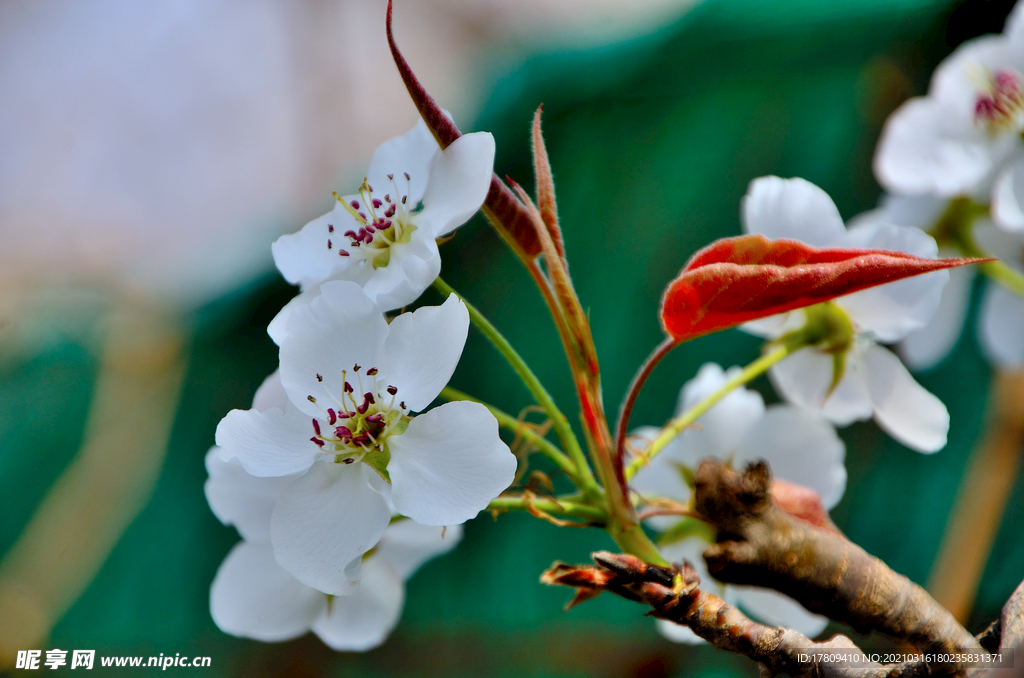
<point>507,214</point>
<point>734,280</point>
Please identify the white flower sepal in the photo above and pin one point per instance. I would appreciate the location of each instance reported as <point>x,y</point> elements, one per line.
<point>799,445</point>
<point>383,237</point>
<point>352,382</point>
<point>874,381</point>
<point>254,597</point>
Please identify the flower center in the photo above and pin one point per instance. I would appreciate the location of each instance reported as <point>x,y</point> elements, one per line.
<point>357,427</point>
<point>382,223</point>
<point>1000,105</point>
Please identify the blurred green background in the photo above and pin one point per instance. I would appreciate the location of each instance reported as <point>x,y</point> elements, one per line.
<point>653,143</point>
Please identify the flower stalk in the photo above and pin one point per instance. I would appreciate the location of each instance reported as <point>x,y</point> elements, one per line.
<point>955,229</point>
<point>581,473</point>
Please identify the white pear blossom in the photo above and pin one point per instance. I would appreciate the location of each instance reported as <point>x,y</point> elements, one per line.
<point>254,597</point>
<point>874,382</point>
<point>340,416</point>
<point>799,445</point>
<point>1001,317</point>
<point>383,237</point>
<point>964,137</point>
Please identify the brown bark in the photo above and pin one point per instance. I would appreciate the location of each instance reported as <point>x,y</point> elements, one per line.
<point>674,594</point>
<point>759,544</point>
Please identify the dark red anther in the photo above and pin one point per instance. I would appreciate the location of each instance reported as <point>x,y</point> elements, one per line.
<point>355,204</point>
<point>369,397</point>
<point>361,439</point>
<point>392,390</point>
<point>316,426</point>
<point>369,188</point>
<point>318,442</point>
<point>348,388</point>
<point>342,414</point>
<point>377,203</point>
<point>343,253</point>
<point>362,216</point>
<point>343,432</point>
<point>372,371</point>
<point>391,177</point>
<point>362,408</point>
<point>331,417</point>
<point>330,228</point>
<point>328,243</point>
<point>406,175</point>
<point>387,198</point>
<point>351,234</point>
<point>376,417</point>
<point>404,198</point>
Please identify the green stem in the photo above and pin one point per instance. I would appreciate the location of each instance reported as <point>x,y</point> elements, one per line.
<point>561,506</point>
<point>676,426</point>
<point>955,227</point>
<point>582,475</point>
<point>506,420</point>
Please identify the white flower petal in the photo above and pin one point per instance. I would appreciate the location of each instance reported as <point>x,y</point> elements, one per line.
<point>1013,30</point>
<point>336,331</point>
<point>407,545</point>
<point>805,377</point>
<point>793,209</point>
<point>919,211</point>
<point>409,153</point>
<point>925,347</point>
<point>253,597</point>
<point>460,177</point>
<point>718,432</point>
<point>1001,327</point>
<point>240,499</point>
<point>800,446</point>
<point>423,349</point>
<point>324,520</point>
<point>363,620</point>
<point>892,311</point>
<point>904,409</point>
<point>919,153</point>
<point>271,443</point>
<point>412,268</point>
<point>774,326</point>
<point>449,464</point>
<point>1008,197</point>
<point>270,394</point>
<point>304,258</point>
<point>776,609</point>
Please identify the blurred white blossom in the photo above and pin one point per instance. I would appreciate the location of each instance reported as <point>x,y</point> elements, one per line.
<point>874,382</point>
<point>800,447</point>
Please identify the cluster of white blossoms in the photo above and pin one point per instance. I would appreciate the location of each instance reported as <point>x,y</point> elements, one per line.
<point>799,445</point>
<point>963,140</point>
<point>860,378</point>
<point>339,478</point>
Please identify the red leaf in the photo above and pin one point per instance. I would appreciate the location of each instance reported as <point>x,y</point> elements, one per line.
<point>734,280</point>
